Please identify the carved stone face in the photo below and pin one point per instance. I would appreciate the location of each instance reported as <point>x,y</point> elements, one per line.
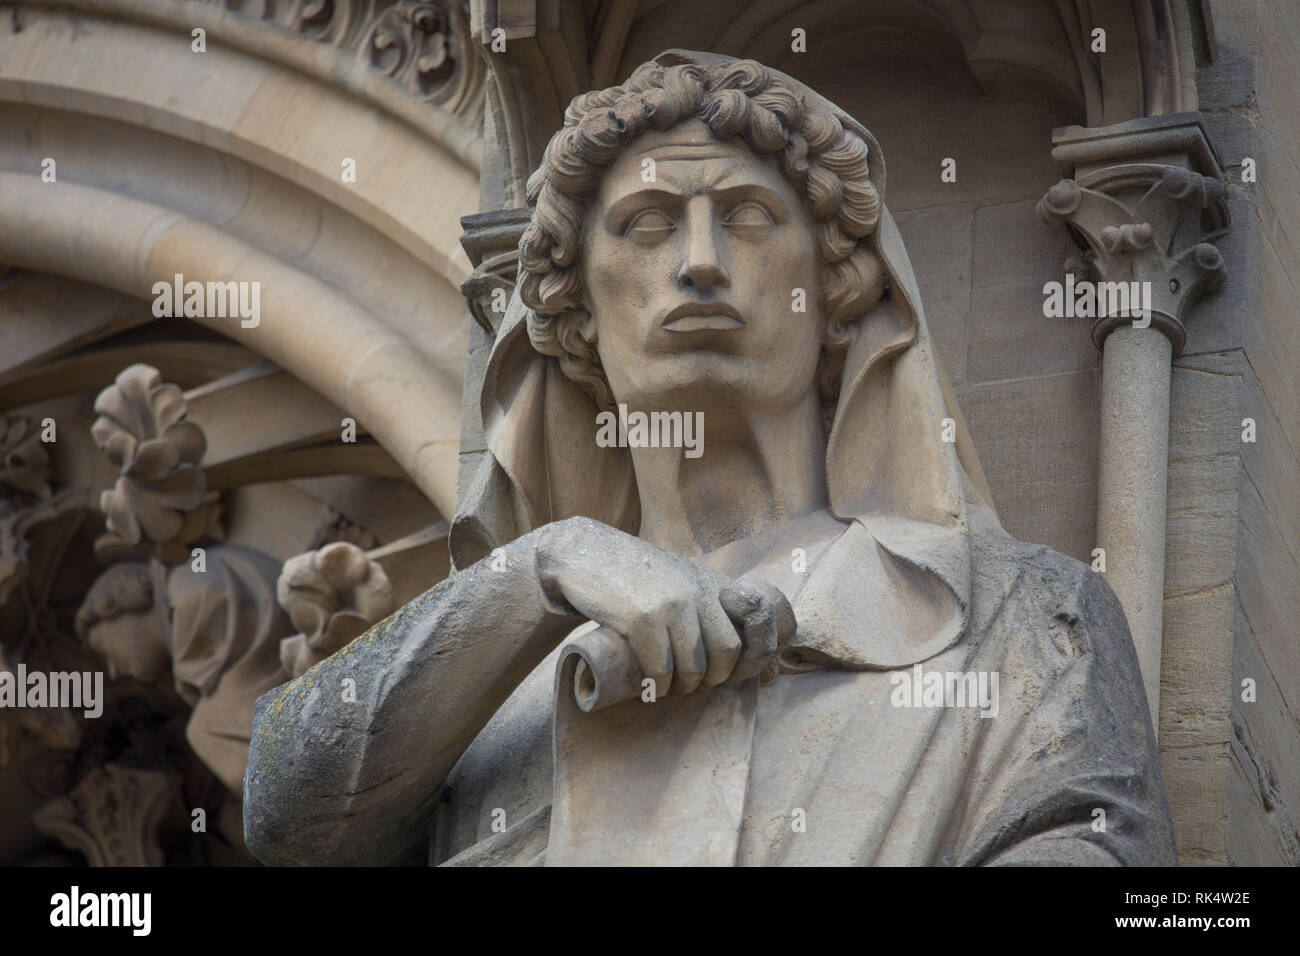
<point>690,278</point>
<point>132,646</point>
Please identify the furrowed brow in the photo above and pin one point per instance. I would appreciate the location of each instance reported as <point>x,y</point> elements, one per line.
<point>622,207</point>
<point>774,201</point>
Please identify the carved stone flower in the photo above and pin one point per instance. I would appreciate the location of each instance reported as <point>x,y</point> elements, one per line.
<point>141,429</point>
<point>332,596</point>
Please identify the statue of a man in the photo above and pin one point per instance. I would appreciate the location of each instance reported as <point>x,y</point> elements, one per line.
<point>807,640</point>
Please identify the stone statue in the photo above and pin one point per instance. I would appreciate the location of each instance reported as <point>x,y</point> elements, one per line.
<point>809,643</point>
<point>214,633</point>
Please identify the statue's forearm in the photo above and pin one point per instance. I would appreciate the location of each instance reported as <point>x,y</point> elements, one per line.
<point>345,760</point>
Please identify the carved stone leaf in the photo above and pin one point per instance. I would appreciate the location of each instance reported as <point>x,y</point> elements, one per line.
<point>141,428</point>
<point>118,445</point>
<point>118,515</point>
<point>124,406</point>
<point>19,515</point>
<point>422,46</point>
<point>188,440</point>
<point>113,815</point>
<point>139,407</point>
<point>154,458</point>
<point>332,596</point>
<point>181,444</point>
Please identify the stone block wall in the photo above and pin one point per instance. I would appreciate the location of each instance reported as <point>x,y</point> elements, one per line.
<point>1250,90</point>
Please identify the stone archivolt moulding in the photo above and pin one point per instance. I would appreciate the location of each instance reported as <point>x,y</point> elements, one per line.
<point>422,45</point>
<point>237,193</point>
<point>404,56</point>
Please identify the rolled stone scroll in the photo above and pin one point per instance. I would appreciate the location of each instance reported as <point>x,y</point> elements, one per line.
<point>601,669</point>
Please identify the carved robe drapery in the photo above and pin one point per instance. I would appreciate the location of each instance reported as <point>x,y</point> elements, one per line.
<point>818,764</point>
<point>922,573</point>
<point>1065,773</point>
<point>224,627</point>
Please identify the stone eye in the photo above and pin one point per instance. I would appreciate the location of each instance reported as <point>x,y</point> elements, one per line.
<point>748,214</point>
<point>649,223</point>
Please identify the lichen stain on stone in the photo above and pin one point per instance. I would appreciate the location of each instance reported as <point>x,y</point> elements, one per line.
<point>271,729</point>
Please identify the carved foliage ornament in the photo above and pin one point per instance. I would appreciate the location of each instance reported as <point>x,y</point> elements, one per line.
<point>423,46</point>
<point>114,815</point>
<point>160,494</point>
<point>332,596</point>
<point>26,496</point>
<point>54,728</point>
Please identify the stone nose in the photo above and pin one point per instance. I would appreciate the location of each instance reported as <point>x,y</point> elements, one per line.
<point>703,267</point>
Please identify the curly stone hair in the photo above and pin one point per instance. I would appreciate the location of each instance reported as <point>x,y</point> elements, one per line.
<point>125,588</point>
<point>826,164</point>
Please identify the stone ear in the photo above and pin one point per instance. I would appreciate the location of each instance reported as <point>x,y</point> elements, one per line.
<point>587,327</point>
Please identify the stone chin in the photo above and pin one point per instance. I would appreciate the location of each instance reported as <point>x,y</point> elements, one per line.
<point>707,379</point>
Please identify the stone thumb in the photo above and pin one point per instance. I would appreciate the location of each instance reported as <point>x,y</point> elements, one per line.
<point>765,619</point>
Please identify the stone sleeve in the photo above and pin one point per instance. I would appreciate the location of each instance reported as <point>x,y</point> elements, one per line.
<point>1069,774</point>
<point>346,761</point>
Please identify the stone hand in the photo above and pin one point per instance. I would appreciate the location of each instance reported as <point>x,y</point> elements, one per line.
<point>688,625</point>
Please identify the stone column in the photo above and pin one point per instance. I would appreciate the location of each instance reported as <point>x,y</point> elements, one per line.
<point>1144,201</point>
<point>1131,484</point>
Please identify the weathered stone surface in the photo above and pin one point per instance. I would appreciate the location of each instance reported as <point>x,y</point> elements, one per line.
<point>662,729</point>
<point>229,163</point>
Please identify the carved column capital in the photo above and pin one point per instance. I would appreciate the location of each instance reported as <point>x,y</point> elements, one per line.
<point>491,240</point>
<point>1144,201</point>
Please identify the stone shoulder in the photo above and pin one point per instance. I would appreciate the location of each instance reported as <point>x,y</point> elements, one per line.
<point>1051,586</point>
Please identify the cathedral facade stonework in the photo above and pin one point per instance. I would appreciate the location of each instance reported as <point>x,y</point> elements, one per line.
<point>980,337</point>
